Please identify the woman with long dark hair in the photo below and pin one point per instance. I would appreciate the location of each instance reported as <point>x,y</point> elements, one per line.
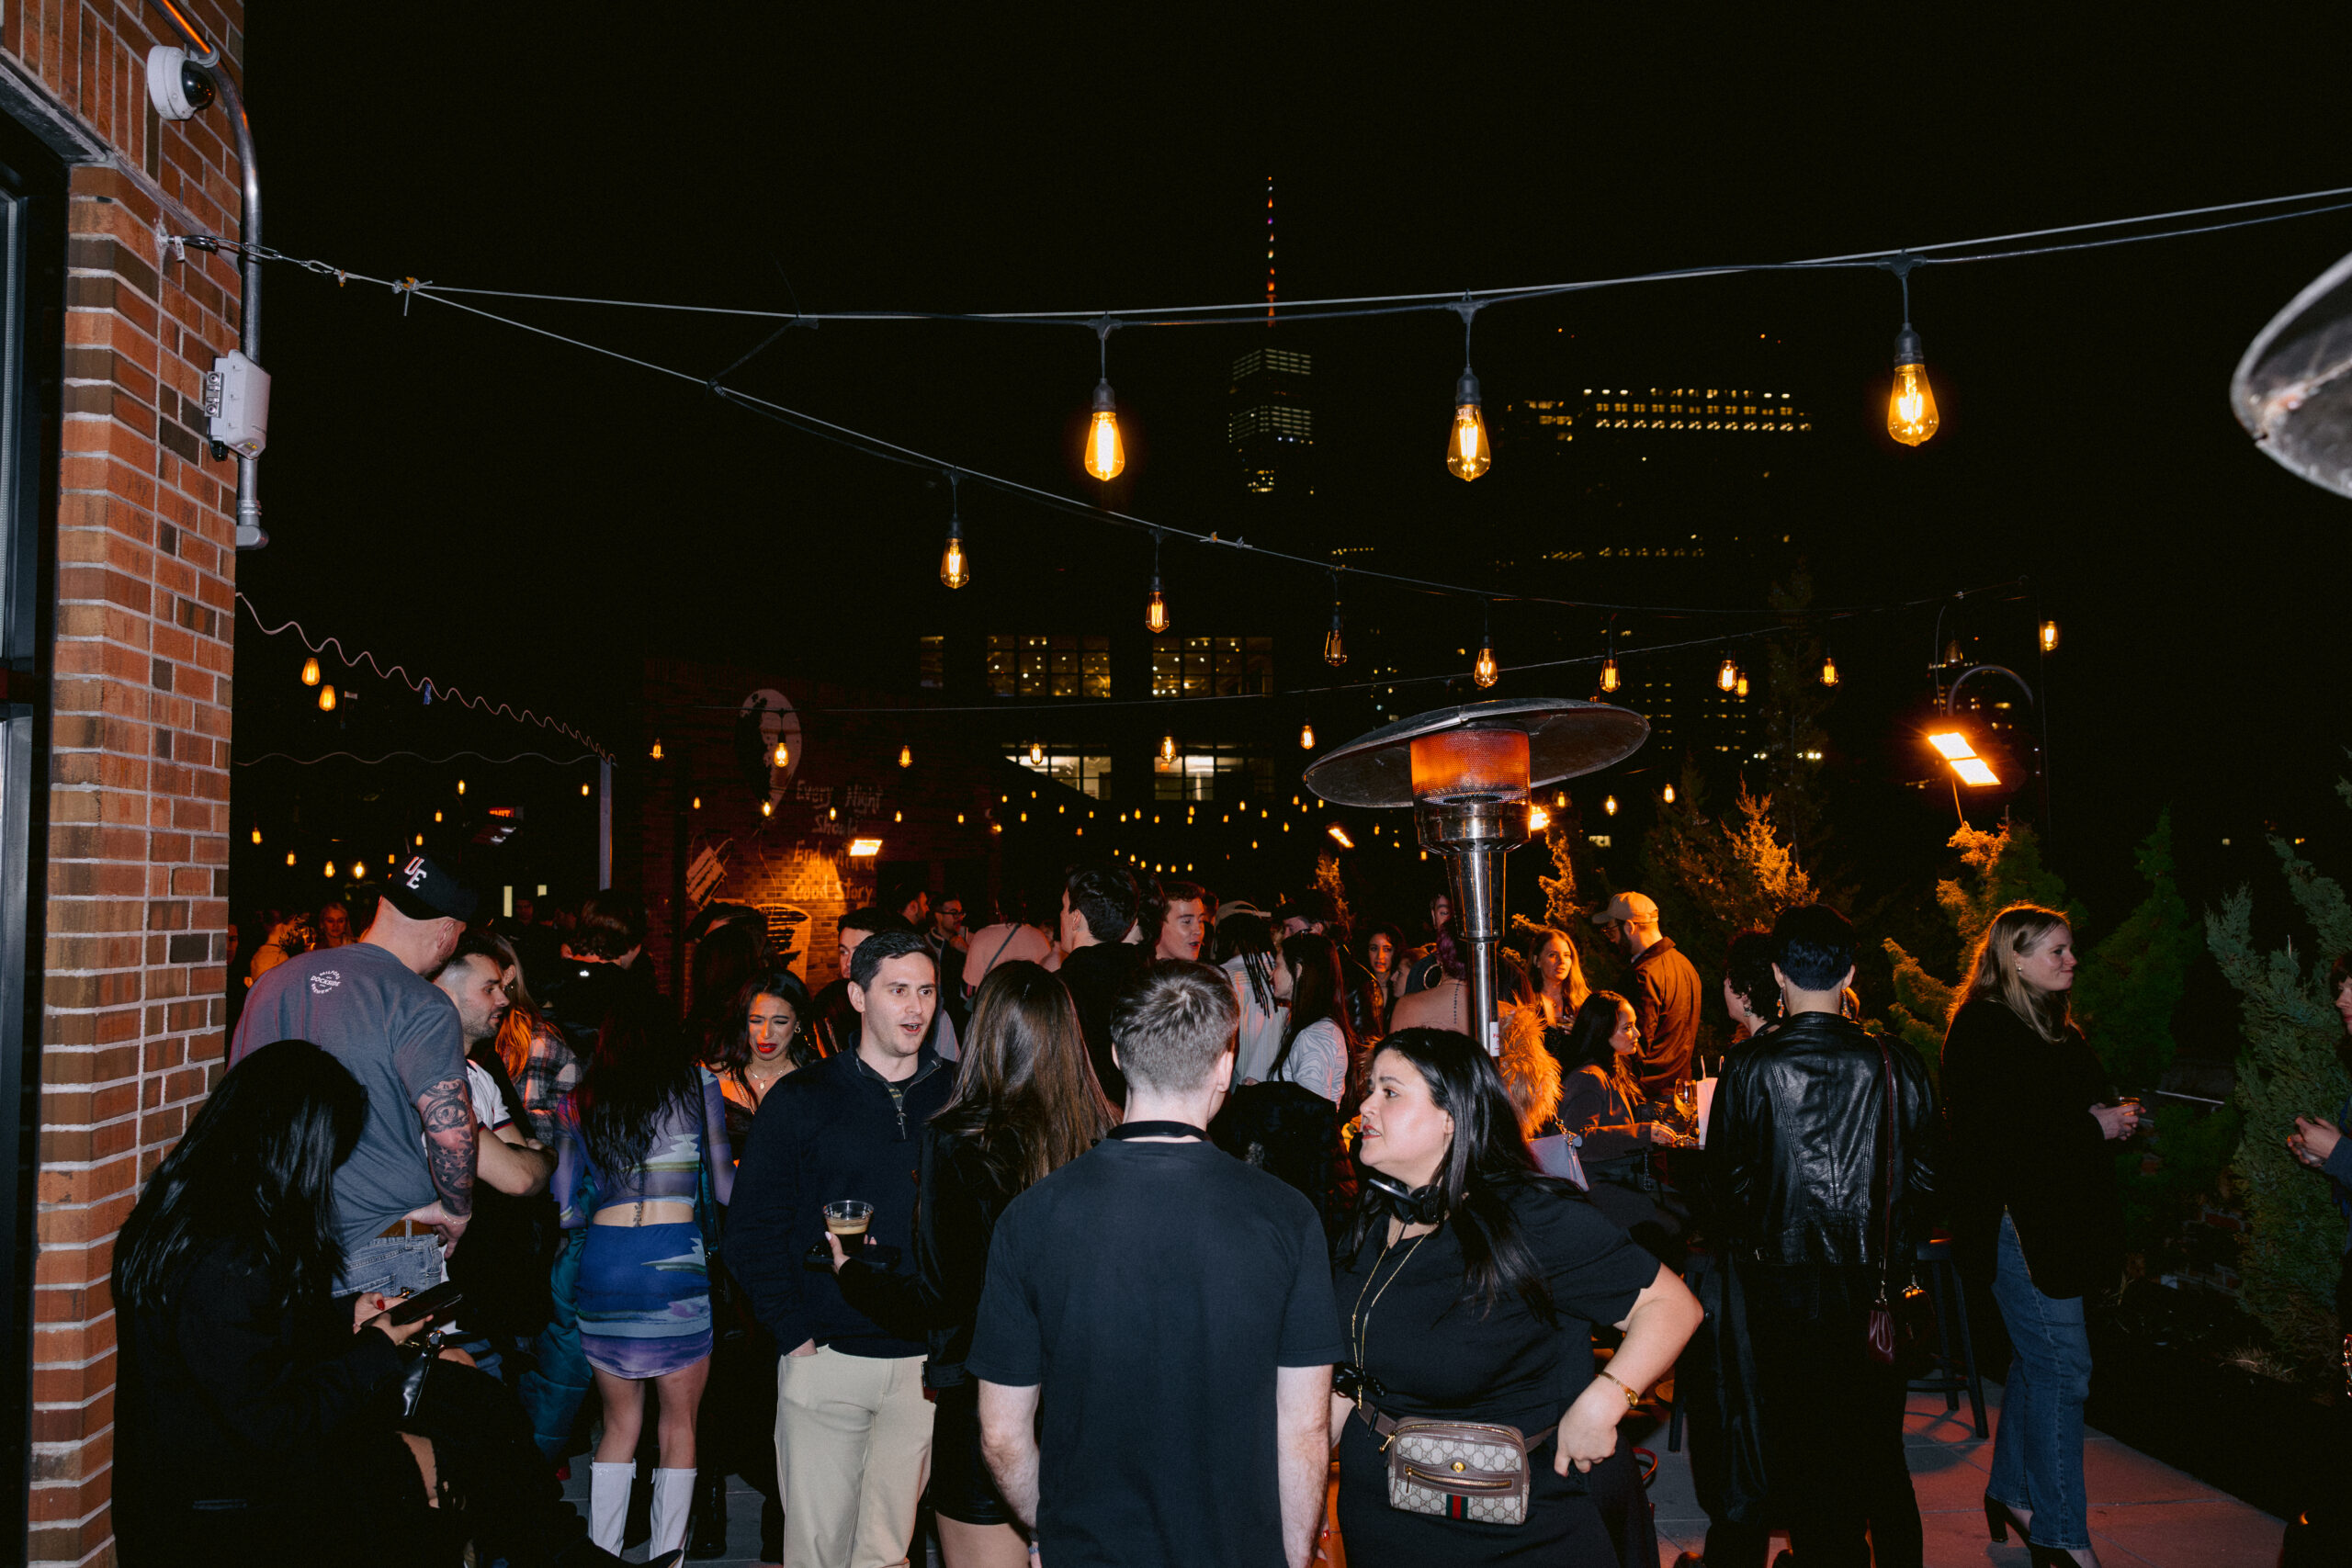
<point>1597,1051</point>
<point>767,1036</point>
<point>640,1137</point>
<point>1467,1288</point>
<point>1382,954</point>
<point>1246,952</point>
<point>1318,1050</point>
<point>249,1421</point>
<point>1025,1104</point>
<point>2033,1121</point>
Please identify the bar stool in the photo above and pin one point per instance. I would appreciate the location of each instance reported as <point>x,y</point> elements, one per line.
<point>1949,1375</point>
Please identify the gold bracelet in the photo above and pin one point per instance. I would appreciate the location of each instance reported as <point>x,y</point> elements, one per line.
<point>1631,1398</point>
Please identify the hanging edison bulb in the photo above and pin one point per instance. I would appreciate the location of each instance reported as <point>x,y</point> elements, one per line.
<point>1468,455</point>
<point>2049,637</point>
<point>1485,670</point>
<point>657,748</point>
<point>289,857</point>
<point>1036,753</point>
<point>1740,688</point>
<point>461,786</point>
<point>310,672</point>
<point>906,756</point>
<point>436,816</point>
<point>583,789</point>
<point>1155,613</point>
<point>1952,652</point>
<point>1106,454</point>
<point>1334,642</point>
<point>954,568</point>
<point>326,699</point>
<point>1727,677</point>
<point>1670,795</point>
<point>1911,405</point>
<point>697,803</point>
<point>767,808</point>
<point>256,835</point>
<point>1828,669</point>
<point>329,868</point>
<point>1610,806</point>
<point>783,754</point>
<point>1609,679</point>
<point>1168,748</point>
<point>1306,739</point>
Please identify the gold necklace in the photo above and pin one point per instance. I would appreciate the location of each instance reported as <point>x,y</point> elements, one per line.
<point>1361,1317</point>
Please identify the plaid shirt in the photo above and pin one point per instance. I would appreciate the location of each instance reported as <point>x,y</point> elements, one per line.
<point>550,1071</point>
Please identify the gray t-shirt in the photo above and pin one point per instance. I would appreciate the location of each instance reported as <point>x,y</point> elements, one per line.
<point>398,1033</point>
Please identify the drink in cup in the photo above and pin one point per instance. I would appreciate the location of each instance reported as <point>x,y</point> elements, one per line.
<point>849,1217</point>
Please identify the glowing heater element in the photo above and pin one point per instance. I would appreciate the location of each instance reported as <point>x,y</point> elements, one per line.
<point>1106,454</point>
<point>1538,820</point>
<point>1911,405</point>
<point>310,672</point>
<point>1340,836</point>
<point>326,699</point>
<point>1467,452</point>
<point>1972,771</point>
<point>865,848</point>
<point>1952,747</point>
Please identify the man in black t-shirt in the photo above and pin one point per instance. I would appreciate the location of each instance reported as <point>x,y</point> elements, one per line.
<point>1168,1309</point>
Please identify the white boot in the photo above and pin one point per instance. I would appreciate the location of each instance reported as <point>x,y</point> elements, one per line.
<point>608,1487</point>
<point>673,1495</point>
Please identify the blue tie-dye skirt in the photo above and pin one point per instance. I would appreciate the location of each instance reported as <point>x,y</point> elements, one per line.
<point>644,1299</point>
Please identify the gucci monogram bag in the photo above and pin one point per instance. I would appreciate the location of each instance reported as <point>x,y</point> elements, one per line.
<point>1455,1470</point>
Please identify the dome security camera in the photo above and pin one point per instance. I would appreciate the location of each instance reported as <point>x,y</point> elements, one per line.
<point>178,89</point>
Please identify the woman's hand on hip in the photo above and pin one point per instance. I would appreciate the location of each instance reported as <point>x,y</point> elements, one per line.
<point>1588,1431</point>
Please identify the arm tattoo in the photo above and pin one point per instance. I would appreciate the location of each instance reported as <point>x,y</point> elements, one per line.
<point>449,1150</point>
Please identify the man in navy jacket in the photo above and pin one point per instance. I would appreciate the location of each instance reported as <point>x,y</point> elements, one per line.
<point>852,1432</point>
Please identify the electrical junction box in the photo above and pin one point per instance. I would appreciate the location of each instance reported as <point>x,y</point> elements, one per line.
<point>236,401</point>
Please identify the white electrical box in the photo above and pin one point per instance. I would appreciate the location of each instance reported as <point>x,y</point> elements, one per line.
<point>236,402</point>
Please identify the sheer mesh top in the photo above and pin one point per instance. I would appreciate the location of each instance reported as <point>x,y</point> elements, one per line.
<point>685,1138</point>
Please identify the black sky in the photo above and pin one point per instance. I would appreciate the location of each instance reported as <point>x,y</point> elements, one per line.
<point>525,518</point>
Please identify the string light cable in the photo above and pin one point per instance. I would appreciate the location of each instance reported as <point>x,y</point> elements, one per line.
<point>433,691</point>
<point>388,756</point>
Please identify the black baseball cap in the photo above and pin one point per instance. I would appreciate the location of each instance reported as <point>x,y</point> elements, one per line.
<point>421,890</point>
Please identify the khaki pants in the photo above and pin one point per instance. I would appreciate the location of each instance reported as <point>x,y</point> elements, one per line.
<point>852,1451</point>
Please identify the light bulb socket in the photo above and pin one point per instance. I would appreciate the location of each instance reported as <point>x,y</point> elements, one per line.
<point>1465,391</point>
<point>1103,401</point>
<point>1907,349</point>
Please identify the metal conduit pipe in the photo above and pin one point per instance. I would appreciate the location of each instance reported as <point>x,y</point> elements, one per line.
<point>250,535</point>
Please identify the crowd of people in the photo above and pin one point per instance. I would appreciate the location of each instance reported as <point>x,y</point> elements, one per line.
<point>1094,1234</point>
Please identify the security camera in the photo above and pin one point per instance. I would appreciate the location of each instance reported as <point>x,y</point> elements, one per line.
<point>178,89</point>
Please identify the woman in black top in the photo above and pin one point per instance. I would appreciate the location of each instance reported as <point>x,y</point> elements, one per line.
<point>2032,1119</point>
<point>250,1419</point>
<point>1596,1050</point>
<point>1026,1103</point>
<point>1468,1287</point>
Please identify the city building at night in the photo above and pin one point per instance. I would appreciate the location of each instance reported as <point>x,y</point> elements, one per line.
<point>1270,421</point>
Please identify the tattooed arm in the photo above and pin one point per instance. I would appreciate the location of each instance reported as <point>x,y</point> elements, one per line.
<point>447,1113</point>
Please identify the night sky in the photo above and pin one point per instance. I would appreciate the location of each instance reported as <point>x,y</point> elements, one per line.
<point>528,519</point>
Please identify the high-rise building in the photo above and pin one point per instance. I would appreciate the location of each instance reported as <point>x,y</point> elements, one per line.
<point>1271,421</point>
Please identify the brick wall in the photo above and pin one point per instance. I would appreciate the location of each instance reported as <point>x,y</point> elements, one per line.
<point>134,906</point>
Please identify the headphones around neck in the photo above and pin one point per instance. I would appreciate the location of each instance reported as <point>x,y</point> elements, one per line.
<point>1414,1205</point>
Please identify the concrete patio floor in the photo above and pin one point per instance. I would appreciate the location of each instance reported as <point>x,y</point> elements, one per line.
<point>2143,1514</point>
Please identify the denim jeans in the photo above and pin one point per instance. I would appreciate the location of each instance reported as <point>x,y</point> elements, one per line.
<point>560,1379</point>
<point>391,1264</point>
<point>2038,1448</point>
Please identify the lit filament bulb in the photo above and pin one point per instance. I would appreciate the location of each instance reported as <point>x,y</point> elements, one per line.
<point>906,756</point>
<point>1485,672</point>
<point>1155,613</point>
<point>326,699</point>
<point>256,835</point>
<point>783,755</point>
<point>955,568</point>
<point>461,786</point>
<point>1106,454</point>
<point>657,748</point>
<point>1610,680</point>
<point>1740,689</point>
<point>1670,795</point>
<point>1911,406</point>
<point>1610,806</point>
<point>1467,454</point>
<point>767,808</point>
<point>1727,678</point>
<point>1829,669</point>
<point>1036,753</point>
<point>329,868</point>
<point>289,857</point>
<point>310,672</point>
<point>2049,637</point>
<point>1167,747</point>
<point>1306,743</point>
<point>1335,644</point>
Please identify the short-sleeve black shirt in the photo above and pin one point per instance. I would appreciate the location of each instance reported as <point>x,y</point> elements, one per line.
<point>1153,1289</point>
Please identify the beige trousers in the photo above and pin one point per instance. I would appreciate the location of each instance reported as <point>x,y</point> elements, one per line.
<point>853,1453</point>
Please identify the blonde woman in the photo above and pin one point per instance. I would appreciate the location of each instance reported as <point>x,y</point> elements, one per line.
<point>2032,1123</point>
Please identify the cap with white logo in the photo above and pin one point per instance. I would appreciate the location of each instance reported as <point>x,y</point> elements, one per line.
<point>420,889</point>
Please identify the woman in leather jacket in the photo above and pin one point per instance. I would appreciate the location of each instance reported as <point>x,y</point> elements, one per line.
<point>2034,1210</point>
<point>1026,1103</point>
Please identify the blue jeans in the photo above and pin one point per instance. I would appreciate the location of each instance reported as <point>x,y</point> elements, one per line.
<point>552,1390</point>
<point>2037,1449</point>
<point>391,1264</point>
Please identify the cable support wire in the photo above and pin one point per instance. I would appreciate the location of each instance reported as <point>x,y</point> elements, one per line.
<point>433,691</point>
<point>1093,320</point>
<point>1088,704</point>
<point>452,757</point>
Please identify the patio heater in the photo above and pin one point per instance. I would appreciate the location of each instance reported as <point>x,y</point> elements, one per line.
<point>1466,772</point>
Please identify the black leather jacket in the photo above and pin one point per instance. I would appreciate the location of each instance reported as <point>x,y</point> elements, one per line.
<point>1793,1145</point>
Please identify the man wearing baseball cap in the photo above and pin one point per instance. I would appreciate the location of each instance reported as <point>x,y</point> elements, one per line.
<point>1665,993</point>
<point>371,1005</point>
